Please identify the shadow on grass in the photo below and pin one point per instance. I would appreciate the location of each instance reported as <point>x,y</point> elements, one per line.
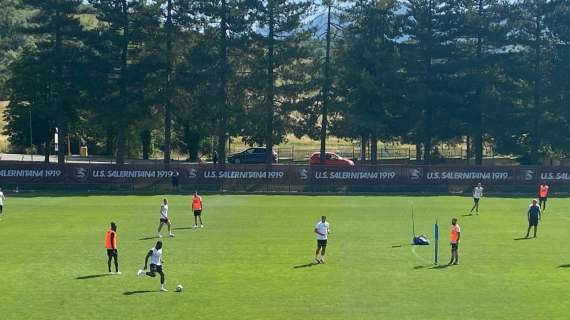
<point>149,238</point>
<point>564,266</point>
<point>93,276</point>
<point>523,238</point>
<point>183,228</point>
<point>467,215</point>
<point>401,245</point>
<point>129,293</point>
<point>308,265</point>
<point>420,267</point>
<point>442,266</point>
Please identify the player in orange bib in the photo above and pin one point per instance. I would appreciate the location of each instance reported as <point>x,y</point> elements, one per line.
<point>455,235</point>
<point>111,246</point>
<point>197,209</point>
<point>543,195</point>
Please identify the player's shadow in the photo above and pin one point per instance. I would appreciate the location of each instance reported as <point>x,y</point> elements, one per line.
<point>149,238</point>
<point>307,265</point>
<point>183,228</point>
<point>441,266</point>
<point>401,245</point>
<point>522,238</point>
<point>564,266</point>
<point>129,293</point>
<point>93,276</point>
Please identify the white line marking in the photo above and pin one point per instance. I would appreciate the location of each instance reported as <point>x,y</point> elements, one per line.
<point>418,256</point>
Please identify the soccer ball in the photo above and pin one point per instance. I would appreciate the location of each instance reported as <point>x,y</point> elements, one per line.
<point>179,288</point>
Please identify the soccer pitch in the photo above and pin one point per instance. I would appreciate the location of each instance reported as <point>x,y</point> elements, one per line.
<point>252,259</point>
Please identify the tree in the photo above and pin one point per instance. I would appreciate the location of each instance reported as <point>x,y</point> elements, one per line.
<point>428,34</point>
<point>280,47</point>
<point>13,19</point>
<point>57,29</point>
<point>532,44</point>
<point>369,77</point>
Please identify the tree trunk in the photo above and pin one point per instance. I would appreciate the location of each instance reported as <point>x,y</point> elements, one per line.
<point>326,86</point>
<point>418,152</point>
<point>60,119</point>
<point>363,144</point>
<point>168,86</point>
<point>46,151</point>
<point>146,139</point>
<point>123,123</point>
<point>428,136</point>
<point>478,138</point>
<point>373,149</point>
<point>192,139</point>
<point>109,142</point>
<point>537,114</point>
<point>270,87</point>
<point>222,117</point>
<point>468,147</point>
<point>429,107</point>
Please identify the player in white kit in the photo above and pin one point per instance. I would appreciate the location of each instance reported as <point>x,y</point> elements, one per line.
<point>155,255</point>
<point>164,218</point>
<point>322,230</point>
<point>477,195</point>
<point>2,198</point>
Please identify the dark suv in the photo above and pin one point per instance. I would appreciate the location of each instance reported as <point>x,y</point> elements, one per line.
<point>251,156</point>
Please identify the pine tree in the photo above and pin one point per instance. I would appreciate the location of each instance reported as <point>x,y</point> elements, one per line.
<point>57,27</point>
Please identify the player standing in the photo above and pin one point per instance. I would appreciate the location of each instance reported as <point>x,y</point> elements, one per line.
<point>111,245</point>
<point>164,218</point>
<point>533,215</point>
<point>543,195</point>
<point>2,198</point>
<point>455,235</point>
<point>197,209</point>
<point>477,195</point>
<point>322,229</point>
<point>155,255</point>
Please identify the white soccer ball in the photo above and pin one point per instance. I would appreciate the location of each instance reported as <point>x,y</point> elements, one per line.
<point>179,288</point>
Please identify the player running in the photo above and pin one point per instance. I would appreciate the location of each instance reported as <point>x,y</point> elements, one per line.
<point>322,229</point>
<point>2,198</point>
<point>455,235</point>
<point>111,245</point>
<point>477,195</point>
<point>543,195</point>
<point>533,215</point>
<point>164,218</point>
<point>197,209</point>
<point>155,255</point>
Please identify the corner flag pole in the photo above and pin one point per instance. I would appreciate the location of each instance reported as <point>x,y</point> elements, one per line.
<point>436,236</point>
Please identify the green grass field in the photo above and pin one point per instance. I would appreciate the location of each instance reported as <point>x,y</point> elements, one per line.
<point>249,262</point>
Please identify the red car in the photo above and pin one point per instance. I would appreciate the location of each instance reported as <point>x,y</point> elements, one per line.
<point>331,159</point>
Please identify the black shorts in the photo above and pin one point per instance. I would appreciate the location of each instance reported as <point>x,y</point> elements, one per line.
<point>454,246</point>
<point>155,268</point>
<point>542,199</point>
<point>163,220</point>
<point>1,208</point>
<point>111,252</point>
<point>197,213</point>
<point>321,243</point>
<point>532,223</point>
<point>476,200</point>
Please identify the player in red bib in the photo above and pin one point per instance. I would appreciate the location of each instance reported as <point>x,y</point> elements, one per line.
<point>543,195</point>
<point>111,246</point>
<point>455,235</point>
<point>197,209</point>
